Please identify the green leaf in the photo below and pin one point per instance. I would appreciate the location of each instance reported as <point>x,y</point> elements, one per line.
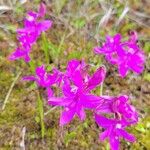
<point>79,23</point>
<point>11,28</point>
<point>107,146</point>
<point>147,76</point>
<point>59,4</point>
<point>69,137</point>
<point>37,119</point>
<point>147,47</point>
<point>140,128</point>
<point>45,47</point>
<point>41,115</point>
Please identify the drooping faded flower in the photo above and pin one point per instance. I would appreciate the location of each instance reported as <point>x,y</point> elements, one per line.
<point>114,130</point>
<point>34,25</point>
<point>127,55</point>
<point>76,91</point>
<point>44,79</point>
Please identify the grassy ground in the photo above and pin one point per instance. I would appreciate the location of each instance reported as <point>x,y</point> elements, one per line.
<point>78,26</point>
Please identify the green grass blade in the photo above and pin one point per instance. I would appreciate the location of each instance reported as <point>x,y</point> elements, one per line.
<point>45,47</point>
<point>41,115</point>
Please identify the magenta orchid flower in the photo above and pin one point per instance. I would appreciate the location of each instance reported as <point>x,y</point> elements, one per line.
<point>126,55</point>
<point>125,115</point>
<point>135,58</point>
<point>114,129</point>
<point>76,91</point>
<point>27,36</point>
<point>44,79</point>
<point>121,106</point>
<point>118,105</point>
<point>112,49</point>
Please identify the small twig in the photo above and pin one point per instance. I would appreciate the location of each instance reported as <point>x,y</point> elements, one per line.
<point>53,108</point>
<point>5,8</point>
<point>10,3</point>
<point>22,143</point>
<point>104,20</point>
<point>23,1</point>
<point>10,89</point>
<point>14,2</point>
<point>140,14</point>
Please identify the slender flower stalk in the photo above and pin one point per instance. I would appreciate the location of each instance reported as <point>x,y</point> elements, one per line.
<point>101,89</point>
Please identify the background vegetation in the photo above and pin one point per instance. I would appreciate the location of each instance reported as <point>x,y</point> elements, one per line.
<point>78,26</point>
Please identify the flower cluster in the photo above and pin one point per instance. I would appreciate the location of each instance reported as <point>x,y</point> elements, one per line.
<point>76,83</point>
<point>124,115</point>
<point>76,87</point>
<point>126,55</point>
<point>27,36</point>
<point>44,79</point>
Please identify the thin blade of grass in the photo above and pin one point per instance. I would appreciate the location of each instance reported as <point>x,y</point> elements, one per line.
<point>45,47</point>
<point>10,90</point>
<point>41,115</point>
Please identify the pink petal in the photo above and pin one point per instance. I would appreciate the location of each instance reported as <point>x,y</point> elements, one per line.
<point>72,66</point>
<point>77,78</point>
<point>67,116</point>
<point>103,121</point>
<point>98,50</point>
<point>80,112</point>
<point>67,89</point>
<point>42,10</point>
<point>126,135</point>
<point>30,78</point>
<point>112,58</point>
<point>104,107</point>
<point>19,53</point>
<point>59,101</point>
<point>117,38</point>
<point>44,25</point>
<point>49,92</point>
<point>97,78</point>
<point>90,101</point>
<point>114,142</point>
<point>40,71</point>
<point>123,69</point>
<point>133,36</point>
<point>103,135</point>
